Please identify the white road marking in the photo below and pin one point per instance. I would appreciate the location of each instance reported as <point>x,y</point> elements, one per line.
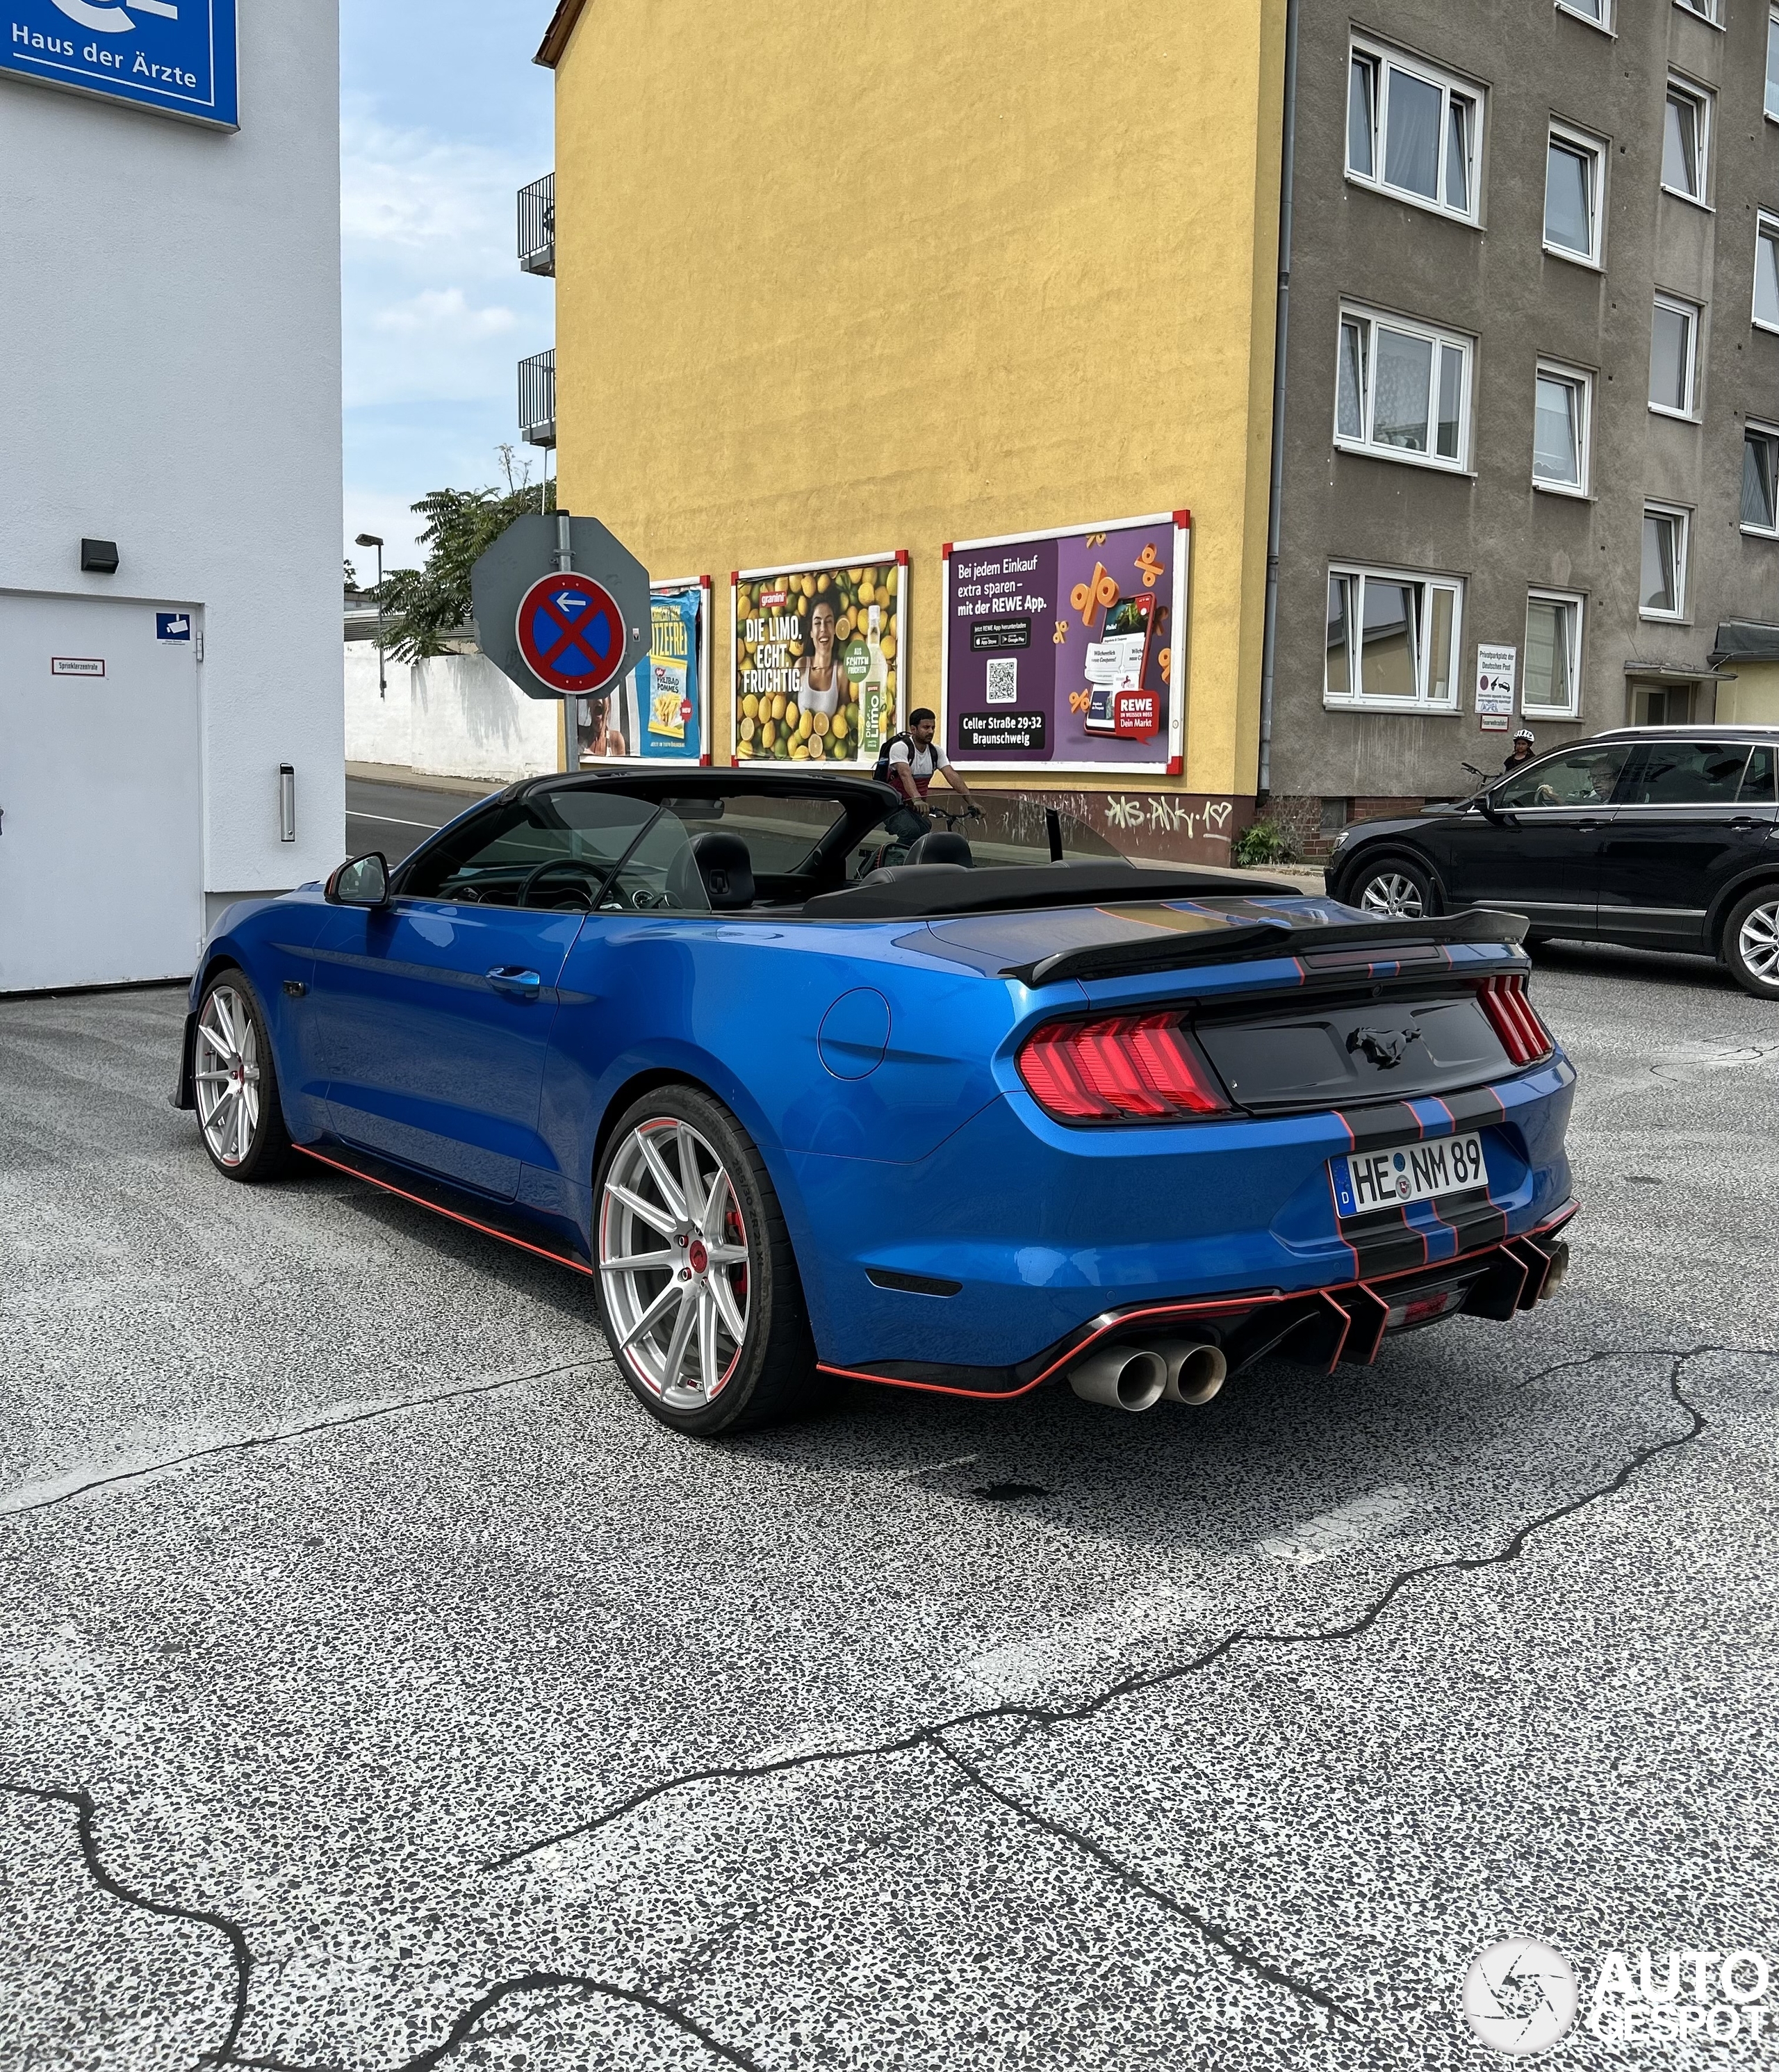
<point>1110,1631</point>
<point>388,821</point>
<point>1333,1533</point>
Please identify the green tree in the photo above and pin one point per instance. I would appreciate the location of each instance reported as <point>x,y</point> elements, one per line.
<point>425,607</point>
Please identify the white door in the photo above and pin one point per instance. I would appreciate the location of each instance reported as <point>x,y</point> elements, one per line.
<point>101,841</point>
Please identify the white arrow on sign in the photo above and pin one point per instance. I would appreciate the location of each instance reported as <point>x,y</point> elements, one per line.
<point>114,20</point>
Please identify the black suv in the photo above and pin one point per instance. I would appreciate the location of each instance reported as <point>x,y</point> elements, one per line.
<point>1663,837</point>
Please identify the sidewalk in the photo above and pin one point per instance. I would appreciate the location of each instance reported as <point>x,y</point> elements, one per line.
<point>423,780</point>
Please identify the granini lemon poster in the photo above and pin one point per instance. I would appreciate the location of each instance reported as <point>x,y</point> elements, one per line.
<point>820,668</point>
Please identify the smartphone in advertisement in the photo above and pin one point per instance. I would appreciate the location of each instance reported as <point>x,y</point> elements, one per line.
<point>1117,660</point>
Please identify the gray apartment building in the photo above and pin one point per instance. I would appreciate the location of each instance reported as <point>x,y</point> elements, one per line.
<point>1531,387</point>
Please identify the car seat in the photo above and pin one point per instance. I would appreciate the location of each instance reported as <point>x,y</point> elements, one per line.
<point>936,846</point>
<point>726,867</point>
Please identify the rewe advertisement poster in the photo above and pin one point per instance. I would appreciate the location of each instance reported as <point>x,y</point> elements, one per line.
<point>1064,649</point>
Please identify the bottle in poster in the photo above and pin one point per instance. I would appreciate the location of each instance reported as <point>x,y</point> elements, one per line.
<point>877,703</point>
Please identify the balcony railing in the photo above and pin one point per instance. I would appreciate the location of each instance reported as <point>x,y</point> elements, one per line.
<point>537,226</point>
<point>537,399</point>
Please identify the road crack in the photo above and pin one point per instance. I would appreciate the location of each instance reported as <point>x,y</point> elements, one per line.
<point>462,2030</point>
<point>369,1414</point>
<point>86,1813</point>
<point>1029,1717</point>
<point>1034,1716</point>
<point>1232,1946</point>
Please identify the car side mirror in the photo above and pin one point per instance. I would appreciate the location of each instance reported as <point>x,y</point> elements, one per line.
<point>362,881</point>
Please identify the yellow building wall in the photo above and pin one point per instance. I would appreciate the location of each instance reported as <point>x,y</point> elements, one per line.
<point>1752,699</point>
<point>839,280</point>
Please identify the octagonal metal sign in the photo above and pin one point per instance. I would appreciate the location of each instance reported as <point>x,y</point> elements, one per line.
<point>561,632</point>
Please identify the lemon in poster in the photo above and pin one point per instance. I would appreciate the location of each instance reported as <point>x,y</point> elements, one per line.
<point>816,663</point>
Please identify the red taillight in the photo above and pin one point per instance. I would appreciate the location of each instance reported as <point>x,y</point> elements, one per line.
<point>1126,1068</point>
<point>1523,1037</point>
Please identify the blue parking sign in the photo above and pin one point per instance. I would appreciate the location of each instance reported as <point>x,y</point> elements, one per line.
<point>175,55</point>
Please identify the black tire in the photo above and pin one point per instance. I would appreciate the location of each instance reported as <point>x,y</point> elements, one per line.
<point>1751,942</point>
<point>1394,885</point>
<point>241,1117</point>
<point>768,1374</point>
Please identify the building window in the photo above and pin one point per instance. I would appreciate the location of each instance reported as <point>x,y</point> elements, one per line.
<point>1674,357</point>
<point>1766,273</point>
<point>1685,141</point>
<point>1575,171</point>
<point>1560,427</point>
<point>1706,10</point>
<point>1403,390</point>
<point>1664,561</point>
<point>1552,688</point>
<point>1413,130</point>
<point>1759,477</point>
<point>1599,12</point>
<point>1392,640</point>
<point>1773,67</point>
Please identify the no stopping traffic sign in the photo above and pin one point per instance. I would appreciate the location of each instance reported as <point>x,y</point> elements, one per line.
<point>571,634</point>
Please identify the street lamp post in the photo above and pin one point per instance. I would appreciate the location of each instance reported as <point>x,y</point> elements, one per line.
<point>371,540</point>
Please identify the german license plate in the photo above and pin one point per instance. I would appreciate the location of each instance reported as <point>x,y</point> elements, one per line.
<point>1368,1180</point>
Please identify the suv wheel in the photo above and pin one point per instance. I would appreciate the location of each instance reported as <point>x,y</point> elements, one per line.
<point>1395,887</point>
<point>1751,942</point>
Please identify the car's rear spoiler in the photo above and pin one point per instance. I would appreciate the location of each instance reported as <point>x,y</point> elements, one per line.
<point>1335,946</point>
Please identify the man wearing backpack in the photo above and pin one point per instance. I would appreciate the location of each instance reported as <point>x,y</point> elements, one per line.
<point>909,761</point>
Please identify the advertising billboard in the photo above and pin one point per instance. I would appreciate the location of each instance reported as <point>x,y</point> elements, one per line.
<point>820,670</point>
<point>175,55</point>
<point>659,711</point>
<point>1065,650</point>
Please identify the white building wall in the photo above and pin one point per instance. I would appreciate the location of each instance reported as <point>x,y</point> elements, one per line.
<point>170,334</point>
<point>448,715</point>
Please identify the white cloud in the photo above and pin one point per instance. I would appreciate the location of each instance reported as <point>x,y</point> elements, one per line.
<point>429,266</point>
<point>445,312</point>
<point>407,191</point>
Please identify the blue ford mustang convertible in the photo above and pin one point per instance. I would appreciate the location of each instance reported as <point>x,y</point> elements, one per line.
<point>968,1116</point>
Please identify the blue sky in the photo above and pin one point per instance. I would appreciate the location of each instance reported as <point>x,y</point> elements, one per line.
<point>443,118</point>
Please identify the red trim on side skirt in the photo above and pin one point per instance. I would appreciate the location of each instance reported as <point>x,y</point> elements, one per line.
<point>469,1222</point>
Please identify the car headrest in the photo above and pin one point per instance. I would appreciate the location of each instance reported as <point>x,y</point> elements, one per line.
<point>726,868</point>
<point>934,847</point>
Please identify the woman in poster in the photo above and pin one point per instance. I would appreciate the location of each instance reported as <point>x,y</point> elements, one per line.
<point>820,677</point>
<point>599,738</point>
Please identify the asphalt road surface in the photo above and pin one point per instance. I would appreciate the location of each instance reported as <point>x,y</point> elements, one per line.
<point>379,1689</point>
<point>397,818</point>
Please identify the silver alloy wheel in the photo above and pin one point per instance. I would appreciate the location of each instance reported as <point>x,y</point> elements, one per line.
<point>226,1074</point>
<point>673,1262</point>
<point>1757,942</point>
<point>1390,892</point>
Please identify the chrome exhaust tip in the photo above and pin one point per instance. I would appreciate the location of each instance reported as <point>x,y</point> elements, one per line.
<point>1558,1269</point>
<point>1123,1377</point>
<point>1196,1371</point>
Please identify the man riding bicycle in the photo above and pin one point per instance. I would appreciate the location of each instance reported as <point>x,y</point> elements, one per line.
<point>914,759</point>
